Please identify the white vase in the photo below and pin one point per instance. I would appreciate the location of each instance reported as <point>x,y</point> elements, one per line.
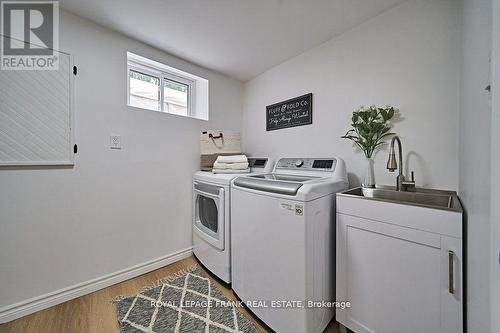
<point>369,180</point>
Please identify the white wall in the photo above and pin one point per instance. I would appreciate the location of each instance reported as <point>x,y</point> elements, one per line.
<point>411,57</point>
<point>407,57</point>
<point>115,208</point>
<point>474,166</point>
<point>495,180</point>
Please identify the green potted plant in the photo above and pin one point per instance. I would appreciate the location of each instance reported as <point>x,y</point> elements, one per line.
<point>370,127</point>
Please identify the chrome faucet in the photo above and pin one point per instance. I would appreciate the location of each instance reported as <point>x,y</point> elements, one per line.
<point>401,183</point>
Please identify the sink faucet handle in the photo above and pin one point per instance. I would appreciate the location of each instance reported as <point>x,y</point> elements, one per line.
<point>407,184</point>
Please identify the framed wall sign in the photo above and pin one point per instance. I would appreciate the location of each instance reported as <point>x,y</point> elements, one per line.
<point>293,112</point>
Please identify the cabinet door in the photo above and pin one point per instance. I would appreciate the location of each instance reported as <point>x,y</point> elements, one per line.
<point>392,276</point>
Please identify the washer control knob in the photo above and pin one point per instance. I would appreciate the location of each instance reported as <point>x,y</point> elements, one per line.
<point>299,163</point>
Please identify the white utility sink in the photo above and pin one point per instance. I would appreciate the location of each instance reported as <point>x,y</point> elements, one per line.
<point>399,260</point>
<point>429,198</point>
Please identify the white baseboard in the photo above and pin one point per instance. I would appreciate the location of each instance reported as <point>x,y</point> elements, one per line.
<point>26,307</point>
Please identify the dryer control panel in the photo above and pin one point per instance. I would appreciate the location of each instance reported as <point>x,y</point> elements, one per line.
<point>312,164</point>
<point>260,164</point>
<point>257,162</point>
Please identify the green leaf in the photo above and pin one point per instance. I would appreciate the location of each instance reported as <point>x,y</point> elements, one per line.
<point>386,135</point>
<point>384,114</point>
<point>385,130</point>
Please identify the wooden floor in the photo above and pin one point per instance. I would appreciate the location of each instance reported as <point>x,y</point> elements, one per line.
<point>96,313</point>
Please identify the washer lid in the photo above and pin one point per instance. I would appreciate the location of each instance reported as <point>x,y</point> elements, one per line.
<point>274,183</point>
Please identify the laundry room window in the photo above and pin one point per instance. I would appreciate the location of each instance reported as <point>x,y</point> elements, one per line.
<point>176,96</point>
<point>155,86</point>
<point>144,90</point>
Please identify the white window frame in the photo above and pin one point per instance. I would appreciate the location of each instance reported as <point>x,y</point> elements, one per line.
<point>162,74</point>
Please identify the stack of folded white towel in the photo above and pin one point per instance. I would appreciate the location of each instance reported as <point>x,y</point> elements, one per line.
<point>231,164</point>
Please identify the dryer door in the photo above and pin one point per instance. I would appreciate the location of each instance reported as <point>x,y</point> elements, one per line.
<point>208,215</point>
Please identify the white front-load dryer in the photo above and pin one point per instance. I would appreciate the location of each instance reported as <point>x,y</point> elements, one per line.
<point>212,219</point>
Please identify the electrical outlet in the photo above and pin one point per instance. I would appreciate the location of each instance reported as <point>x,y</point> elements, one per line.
<point>115,141</point>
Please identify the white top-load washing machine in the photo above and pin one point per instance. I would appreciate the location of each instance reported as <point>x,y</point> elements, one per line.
<point>283,242</point>
<point>211,217</point>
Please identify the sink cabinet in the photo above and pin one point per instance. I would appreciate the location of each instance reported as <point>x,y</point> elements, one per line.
<point>399,266</point>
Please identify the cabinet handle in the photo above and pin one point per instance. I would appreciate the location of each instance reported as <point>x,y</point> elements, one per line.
<point>451,272</point>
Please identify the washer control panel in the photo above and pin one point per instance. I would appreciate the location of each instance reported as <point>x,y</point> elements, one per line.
<point>317,164</point>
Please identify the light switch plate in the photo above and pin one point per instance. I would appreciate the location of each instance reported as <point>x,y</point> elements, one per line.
<point>115,142</point>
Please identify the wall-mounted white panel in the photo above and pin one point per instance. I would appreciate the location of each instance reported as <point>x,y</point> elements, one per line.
<point>36,116</point>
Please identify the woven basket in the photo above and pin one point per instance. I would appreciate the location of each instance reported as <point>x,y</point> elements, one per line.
<point>214,143</point>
